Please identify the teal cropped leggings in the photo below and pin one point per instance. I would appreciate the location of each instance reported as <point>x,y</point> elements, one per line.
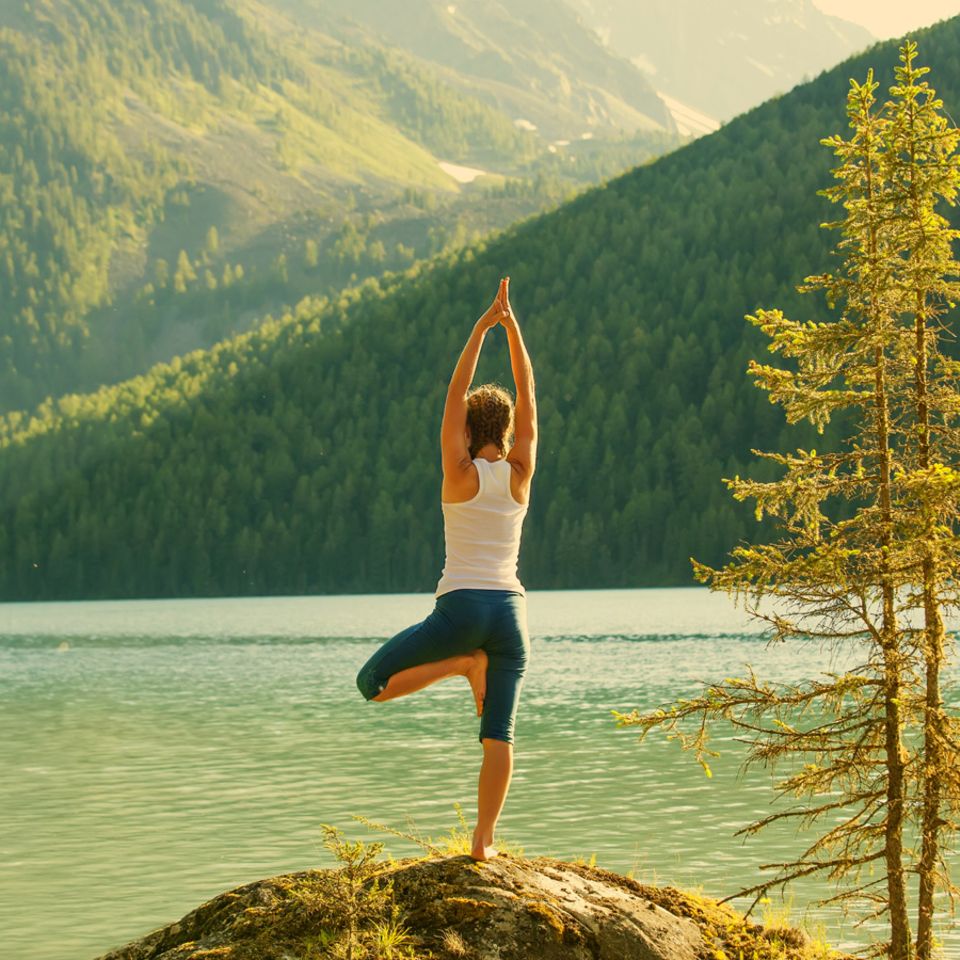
<point>461,621</point>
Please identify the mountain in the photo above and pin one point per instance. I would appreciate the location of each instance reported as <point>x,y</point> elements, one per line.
<point>724,57</point>
<point>534,59</point>
<point>175,172</point>
<point>303,456</point>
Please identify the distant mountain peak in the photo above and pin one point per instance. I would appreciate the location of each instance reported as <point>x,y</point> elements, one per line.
<point>727,56</point>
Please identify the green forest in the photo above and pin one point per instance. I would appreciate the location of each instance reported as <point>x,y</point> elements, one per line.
<point>170,174</point>
<point>303,457</point>
<point>69,183</point>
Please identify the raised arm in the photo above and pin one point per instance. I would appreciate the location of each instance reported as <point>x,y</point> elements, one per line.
<point>524,450</point>
<point>453,439</point>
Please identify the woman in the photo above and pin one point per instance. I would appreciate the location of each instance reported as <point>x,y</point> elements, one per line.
<point>478,627</point>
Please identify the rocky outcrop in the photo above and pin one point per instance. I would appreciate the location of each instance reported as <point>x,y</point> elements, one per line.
<point>452,908</point>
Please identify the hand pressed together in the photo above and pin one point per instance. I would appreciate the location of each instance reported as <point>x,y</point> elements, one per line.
<point>500,310</point>
<point>507,316</point>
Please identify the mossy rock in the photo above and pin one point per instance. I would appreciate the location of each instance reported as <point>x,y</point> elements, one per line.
<point>508,908</point>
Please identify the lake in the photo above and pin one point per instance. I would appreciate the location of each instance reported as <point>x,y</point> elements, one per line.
<point>158,752</point>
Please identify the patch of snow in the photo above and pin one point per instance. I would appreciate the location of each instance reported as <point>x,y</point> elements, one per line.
<point>641,62</point>
<point>586,136</point>
<point>799,23</point>
<point>562,143</point>
<point>451,8</point>
<point>524,124</point>
<point>459,173</point>
<point>762,67</point>
<point>688,120</point>
<point>551,148</point>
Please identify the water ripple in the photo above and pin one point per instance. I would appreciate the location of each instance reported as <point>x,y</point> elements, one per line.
<point>174,749</point>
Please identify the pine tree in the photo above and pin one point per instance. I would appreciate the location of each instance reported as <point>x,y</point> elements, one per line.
<point>185,272</point>
<point>923,168</point>
<point>868,529</point>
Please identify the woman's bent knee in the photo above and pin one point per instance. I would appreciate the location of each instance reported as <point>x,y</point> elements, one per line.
<point>368,683</point>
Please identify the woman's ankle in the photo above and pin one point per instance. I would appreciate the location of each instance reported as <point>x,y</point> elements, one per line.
<point>467,661</point>
<point>481,837</point>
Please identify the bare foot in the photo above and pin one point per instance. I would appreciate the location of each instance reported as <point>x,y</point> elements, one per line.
<point>477,675</point>
<point>483,851</point>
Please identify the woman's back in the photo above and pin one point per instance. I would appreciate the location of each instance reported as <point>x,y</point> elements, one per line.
<point>482,535</point>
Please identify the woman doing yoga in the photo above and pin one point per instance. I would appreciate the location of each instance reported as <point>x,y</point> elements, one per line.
<point>478,627</point>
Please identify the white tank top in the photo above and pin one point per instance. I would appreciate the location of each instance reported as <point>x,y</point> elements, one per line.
<point>483,534</point>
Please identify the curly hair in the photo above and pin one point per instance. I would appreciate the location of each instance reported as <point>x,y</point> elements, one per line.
<point>490,417</point>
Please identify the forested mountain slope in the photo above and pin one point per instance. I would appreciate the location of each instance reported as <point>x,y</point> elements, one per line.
<point>171,172</point>
<point>304,457</point>
<point>535,59</point>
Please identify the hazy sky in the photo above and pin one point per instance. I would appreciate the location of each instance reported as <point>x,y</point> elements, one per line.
<point>890,18</point>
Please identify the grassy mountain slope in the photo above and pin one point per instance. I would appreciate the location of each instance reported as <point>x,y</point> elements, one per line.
<point>128,132</point>
<point>533,58</point>
<point>304,456</point>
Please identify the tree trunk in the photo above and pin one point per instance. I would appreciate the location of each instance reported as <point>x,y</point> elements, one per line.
<point>933,656</point>
<point>932,763</point>
<point>893,721</point>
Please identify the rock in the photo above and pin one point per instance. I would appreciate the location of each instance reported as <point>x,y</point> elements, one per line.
<point>452,908</point>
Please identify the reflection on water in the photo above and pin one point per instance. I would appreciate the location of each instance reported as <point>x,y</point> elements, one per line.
<point>158,752</point>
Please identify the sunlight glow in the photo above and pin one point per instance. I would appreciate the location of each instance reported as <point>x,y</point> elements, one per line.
<point>886,19</point>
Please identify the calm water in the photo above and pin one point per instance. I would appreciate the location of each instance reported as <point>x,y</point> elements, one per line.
<point>156,753</point>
